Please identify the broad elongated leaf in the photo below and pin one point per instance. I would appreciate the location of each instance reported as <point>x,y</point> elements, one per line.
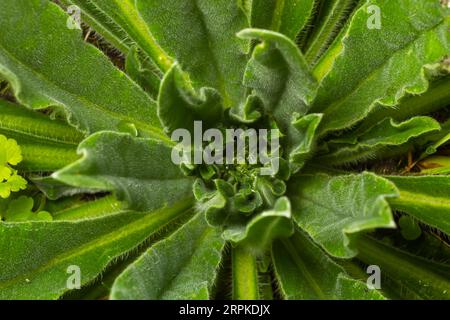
<point>36,256</point>
<point>435,98</point>
<point>427,198</point>
<point>279,75</point>
<point>96,95</point>
<point>201,36</point>
<point>414,276</point>
<point>412,35</point>
<point>285,16</point>
<point>331,18</point>
<point>332,208</point>
<point>120,22</point>
<point>138,170</point>
<point>371,143</point>
<point>307,272</point>
<point>46,144</point>
<point>182,266</point>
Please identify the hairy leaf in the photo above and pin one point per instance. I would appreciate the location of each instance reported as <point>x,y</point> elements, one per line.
<point>427,198</point>
<point>138,170</point>
<point>200,35</point>
<point>95,94</point>
<point>331,208</point>
<point>388,133</point>
<point>120,20</point>
<point>307,272</point>
<point>245,274</point>
<point>35,265</point>
<point>179,105</point>
<point>331,19</point>
<point>46,144</point>
<point>279,75</point>
<point>412,35</point>
<point>142,72</point>
<point>267,226</point>
<point>182,266</point>
<point>436,97</point>
<point>414,276</point>
<point>285,16</point>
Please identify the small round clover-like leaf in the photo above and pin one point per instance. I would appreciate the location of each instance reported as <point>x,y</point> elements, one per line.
<point>21,209</point>
<point>10,155</point>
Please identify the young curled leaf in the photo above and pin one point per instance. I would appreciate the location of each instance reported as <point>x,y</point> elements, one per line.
<point>280,77</point>
<point>179,105</point>
<point>258,234</point>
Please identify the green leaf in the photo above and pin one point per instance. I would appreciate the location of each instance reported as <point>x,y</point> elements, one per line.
<point>413,34</point>
<point>427,198</point>
<point>182,266</point>
<point>415,277</point>
<point>245,274</point>
<point>410,229</point>
<point>305,272</point>
<point>435,98</point>
<point>54,189</point>
<point>21,209</point>
<point>370,144</point>
<point>285,16</point>
<point>35,263</point>
<point>138,170</point>
<point>279,75</point>
<point>179,105</point>
<point>35,39</point>
<point>331,208</point>
<point>13,184</point>
<point>435,165</point>
<point>306,127</point>
<point>73,209</point>
<point>332,16</point>
<point>120,22</point>
<point>10,155</point>
<point>142,72</point>
<point>201,36</point>
<point>258,234</point>
<point>46,144</point>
